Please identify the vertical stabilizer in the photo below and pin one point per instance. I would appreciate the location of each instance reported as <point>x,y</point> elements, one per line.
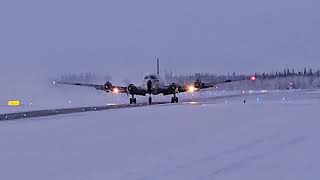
<point>158,67</point>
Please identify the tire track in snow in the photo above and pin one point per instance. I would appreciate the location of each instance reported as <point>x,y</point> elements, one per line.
<point>225,154</point>
<point>193,163</point>
<point>240,164</point>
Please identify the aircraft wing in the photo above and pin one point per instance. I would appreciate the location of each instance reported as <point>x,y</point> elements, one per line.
<point>108,87</point>
<point>97,86</point>
<point>132,89</point>
<point>198,85</point>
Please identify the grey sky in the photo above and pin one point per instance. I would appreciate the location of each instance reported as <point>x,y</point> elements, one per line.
<point>43,38</point>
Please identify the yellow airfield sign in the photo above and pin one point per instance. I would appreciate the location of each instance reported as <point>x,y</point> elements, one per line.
<point>13,103</point>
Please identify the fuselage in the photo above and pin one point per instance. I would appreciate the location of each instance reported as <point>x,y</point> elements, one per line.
<point>151,83</point>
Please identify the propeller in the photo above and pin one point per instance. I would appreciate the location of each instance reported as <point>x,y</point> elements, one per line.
<point>108,86</point>
<point>130,89</point>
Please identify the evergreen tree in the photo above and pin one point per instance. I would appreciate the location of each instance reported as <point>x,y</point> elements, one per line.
<point>305,71</point>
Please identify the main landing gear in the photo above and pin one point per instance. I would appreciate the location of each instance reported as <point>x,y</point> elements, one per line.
<point>174,99</point>
<point>133,100</point>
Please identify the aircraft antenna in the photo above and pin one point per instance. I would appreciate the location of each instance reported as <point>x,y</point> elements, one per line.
<point>158,67</point>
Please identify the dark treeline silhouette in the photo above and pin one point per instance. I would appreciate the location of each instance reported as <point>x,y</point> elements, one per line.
<point>84,78</point>
<point>290,73</point>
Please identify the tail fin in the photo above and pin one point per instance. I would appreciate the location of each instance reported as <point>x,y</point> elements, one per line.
<point>158,67</point>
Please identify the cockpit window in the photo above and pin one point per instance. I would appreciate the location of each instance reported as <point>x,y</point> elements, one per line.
<point>147,77</point>
<point>153,77</point>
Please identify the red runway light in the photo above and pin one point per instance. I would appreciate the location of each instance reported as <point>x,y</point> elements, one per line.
<point>253,78</point>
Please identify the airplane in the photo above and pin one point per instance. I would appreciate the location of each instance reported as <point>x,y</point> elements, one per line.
<point>152,85</point>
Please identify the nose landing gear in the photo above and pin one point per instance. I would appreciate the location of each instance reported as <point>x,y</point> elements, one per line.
<point>150,100</point>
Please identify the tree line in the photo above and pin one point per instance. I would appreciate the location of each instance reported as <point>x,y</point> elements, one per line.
<point>286,79</point>
<point>84,77</point>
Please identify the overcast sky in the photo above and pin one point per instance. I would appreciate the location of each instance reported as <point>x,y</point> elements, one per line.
<point>44,38</point>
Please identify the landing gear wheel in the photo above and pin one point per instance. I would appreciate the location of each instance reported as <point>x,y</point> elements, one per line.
<point>174,99</point>
<point>150,100</point>
<point>133,101</point>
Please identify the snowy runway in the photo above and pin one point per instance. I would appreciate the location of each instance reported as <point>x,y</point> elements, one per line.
<point>266,139</point>
<point>71,110</point>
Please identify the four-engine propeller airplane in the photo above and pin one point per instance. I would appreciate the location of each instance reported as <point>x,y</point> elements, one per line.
<point>152,85</point>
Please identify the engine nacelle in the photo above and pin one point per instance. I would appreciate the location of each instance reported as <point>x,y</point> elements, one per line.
<point>108,86</point>
<point>131,88</point>
<point>173,87</point>
<point>198,84</point>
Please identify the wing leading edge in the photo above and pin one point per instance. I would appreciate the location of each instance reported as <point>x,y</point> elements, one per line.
<point>107,87</point>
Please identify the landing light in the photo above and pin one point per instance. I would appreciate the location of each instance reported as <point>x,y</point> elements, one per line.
<point>194,102</point>
<point>115,90</point>
<point>191,89</point>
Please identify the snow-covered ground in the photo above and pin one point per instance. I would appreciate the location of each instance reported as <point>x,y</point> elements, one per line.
<point>272,136</point>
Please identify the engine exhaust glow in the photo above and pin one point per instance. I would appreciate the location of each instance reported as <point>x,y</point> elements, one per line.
<point>115,90</point>
<point>253,78</point>
<point>191,89</point>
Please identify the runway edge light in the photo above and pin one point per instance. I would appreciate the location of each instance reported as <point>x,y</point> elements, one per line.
<point>13,103</point>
